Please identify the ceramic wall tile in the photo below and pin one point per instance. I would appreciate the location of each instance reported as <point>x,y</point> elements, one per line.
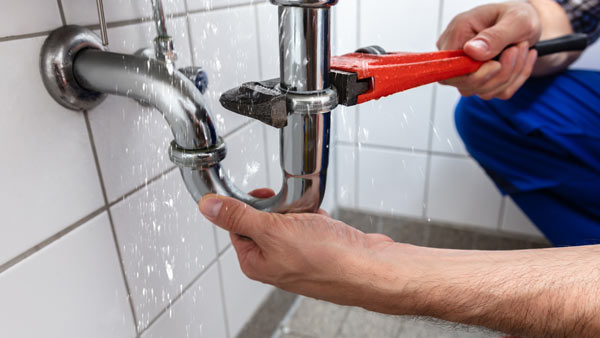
<point>72,287</point>
<point>28,16</point>
<point>391,182</point>
<point>48,176</point>
<point>165,243</point>
<point>461,192</point>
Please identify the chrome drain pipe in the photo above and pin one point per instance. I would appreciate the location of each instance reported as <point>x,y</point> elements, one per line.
<point>78,72</point>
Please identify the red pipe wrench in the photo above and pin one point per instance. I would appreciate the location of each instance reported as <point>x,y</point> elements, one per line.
<point>365,76</point>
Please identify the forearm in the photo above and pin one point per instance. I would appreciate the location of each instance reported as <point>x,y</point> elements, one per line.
<point>531,293</point>
<point>554,23</point>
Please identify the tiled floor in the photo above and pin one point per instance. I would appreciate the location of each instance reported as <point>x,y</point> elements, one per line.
<point>317,319</point>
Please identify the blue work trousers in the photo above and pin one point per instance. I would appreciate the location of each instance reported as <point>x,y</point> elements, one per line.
<point>542,147</point>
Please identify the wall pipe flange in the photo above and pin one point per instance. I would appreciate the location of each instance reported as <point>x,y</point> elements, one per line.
<point>56,67</point>
<point>198,158</point>
<point>305,3</point>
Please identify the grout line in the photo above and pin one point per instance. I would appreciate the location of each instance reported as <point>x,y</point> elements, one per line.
<point>432,114</point>
<point>258,42</point>
<point>222,294</point>
<point>174,300</point>
<point>238,129</point>
<point>501,216</point>
<point>122,23</point>
<point>50,240</point>
<point>407,150</point>
<point>24,36</point>
<point>62,12</point>
<point>356,144</point>
<point>110,218</point>
<point>187,287</point>
<point>142,186</point>
<point>189,33</point>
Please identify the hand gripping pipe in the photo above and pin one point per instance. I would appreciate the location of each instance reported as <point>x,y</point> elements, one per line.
<point>78,73</point>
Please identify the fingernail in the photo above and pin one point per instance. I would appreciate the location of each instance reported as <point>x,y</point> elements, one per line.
<point>479,44</point>
<point>210,207</point>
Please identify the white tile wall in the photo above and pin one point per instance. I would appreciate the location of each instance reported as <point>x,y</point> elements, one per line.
<point>460,192</point>
<point>242,295</point>
<point>268,36</point>
<point>225,44</point>
<point>48,178</point>
<point>347,165</point>
<point>444,137</point>
<point>46,14</point>
<point>71,288</point>
<point>165,243</point>
<point>399,26</point>
<point>84,12</point>
<point>401,120</point>
<point>391,181</point>
<point>190,317</point>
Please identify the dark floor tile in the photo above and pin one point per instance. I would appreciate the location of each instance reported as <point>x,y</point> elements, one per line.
<point>364,324</point>
<point>364,222</point>
<point>450,238</point>
<point>316,318</point>
<point>267,318</point>
<point>405,231</point>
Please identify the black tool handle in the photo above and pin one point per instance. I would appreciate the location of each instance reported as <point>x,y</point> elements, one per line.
<point>566,43</point>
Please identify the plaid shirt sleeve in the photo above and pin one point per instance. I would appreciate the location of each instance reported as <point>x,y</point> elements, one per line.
<point>584,16</point>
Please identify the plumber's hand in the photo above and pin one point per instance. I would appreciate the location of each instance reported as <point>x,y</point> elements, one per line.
<point>310,254</point>
<point>483,33</point>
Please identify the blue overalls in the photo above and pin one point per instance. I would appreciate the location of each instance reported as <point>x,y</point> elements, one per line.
<point>542,147</point>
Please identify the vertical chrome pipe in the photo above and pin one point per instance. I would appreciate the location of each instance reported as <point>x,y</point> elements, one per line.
<point>304,59</point>
<point>304,48</point>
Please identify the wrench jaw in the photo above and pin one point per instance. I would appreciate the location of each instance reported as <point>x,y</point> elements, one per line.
<point>348,86</point>
<point>263,101</point>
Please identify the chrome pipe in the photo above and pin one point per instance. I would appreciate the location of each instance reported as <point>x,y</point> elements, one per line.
<point>186,112</point>
<point>163,43</point>
<point>153,82</point>
<point>304,48</point>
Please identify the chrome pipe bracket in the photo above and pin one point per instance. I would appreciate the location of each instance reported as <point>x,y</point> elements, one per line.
<point>198,158</point>
<point>56,66</point>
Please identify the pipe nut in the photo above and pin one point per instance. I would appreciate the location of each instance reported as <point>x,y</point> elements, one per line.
<point>312,103</point>
<point>198,158</point>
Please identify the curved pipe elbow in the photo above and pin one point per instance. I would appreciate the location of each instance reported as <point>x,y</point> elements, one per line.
<point>155,83</point>
<point>182,105</point>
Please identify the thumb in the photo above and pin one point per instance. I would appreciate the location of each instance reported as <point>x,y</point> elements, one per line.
<point>492,41</point>
<point>233,215</point>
